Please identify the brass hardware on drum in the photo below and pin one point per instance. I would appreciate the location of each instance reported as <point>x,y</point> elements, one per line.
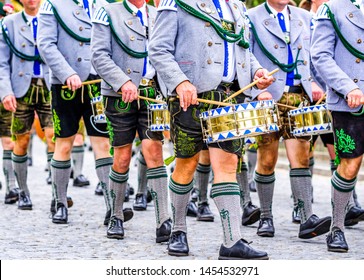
<point>87,83</point>
<point>250,85</point>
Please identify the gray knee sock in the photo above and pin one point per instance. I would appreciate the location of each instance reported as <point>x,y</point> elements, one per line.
<point>180,196</point>
<point>265,189</point>
<point>252,162</point>
<point>117,185</point>
<point>61,171</point>
<point>142,174</point>
<point>20,165</point>
<point>8,171</point>
<point>103,166</point>
<point>301,186</point>
<point>242,178</point>
<point>158,182</point>
<point>341,190</point>
<point>226,197</point>
<point>201,179</point>
<point>77,160</point>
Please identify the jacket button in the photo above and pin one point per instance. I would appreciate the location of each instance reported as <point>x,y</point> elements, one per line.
<point>203,4</point>
<point>79,59</point>
<point>21,74</point>
<point>81,28</point>
<point>209,43</point>
<point>357,60</point>
<point>359,41</point>
<point>355,80</point>
<point>130,22</point>
<point>266,22</point>
<point>242,65</point>
<point>207,24</point>
<point>209,61</point>
<point>81,44</point>
<point>128,70</point>
<point>77,13</point>
<point>351,15</point>
<point>305,62</point>
<point>23,45</point>
<point>299,47</point>
<point>276,46</point>
<point>132,38</point>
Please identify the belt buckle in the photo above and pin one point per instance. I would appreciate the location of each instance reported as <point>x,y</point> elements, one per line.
<point>144,82</point>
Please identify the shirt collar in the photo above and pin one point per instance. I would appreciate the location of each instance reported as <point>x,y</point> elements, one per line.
<point>274,12</point>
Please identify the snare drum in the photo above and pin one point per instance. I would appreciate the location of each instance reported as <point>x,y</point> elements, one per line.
<point>310,120</point>
<point>239,120</point>
<point>158,117</point>
<point>98,110</point>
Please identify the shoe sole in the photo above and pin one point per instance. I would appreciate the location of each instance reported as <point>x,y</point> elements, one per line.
<point>229,258</point>
<point>353,222</point>
<point>138,208</point>
<point>338,250</point>
<point>320,229</point>
<point>80,185</point>
<point>265,234</point>
<point>296,221</point>
<point>115,236</point>
<point>177,254</point>
<point>128,214</point>
<point>161,239</point>
<point>205,219</point>
<point>253,218</point>
<point>11,200</point>
<point>26,208</point>
<point>99,193</point>
<point>59,222</point>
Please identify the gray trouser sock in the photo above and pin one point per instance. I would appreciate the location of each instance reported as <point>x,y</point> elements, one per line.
<point>61,171</point>
<point>265,190</point>
<point>158,182</point>
<point>8,171</point>
<point>117,185</point>
<point>103,166</point>
<point>77,160</point>
<point>252,162</point>
<point>341,190</point>
<point>201,179</point>
<point>242,178</point>
<point>311,165</point>
<point>180,196</point>
<point>301,186</point>
<point>226,197</point>
<point>20,165</point>
<point>142,174</point>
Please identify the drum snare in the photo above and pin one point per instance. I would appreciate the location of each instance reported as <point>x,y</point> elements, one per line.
<point>158,117</point>
<point>98,110</point>
<point>239,121</point>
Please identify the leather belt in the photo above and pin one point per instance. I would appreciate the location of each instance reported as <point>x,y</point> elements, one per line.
<point>147,82</point>
<point>38,82</point>
<point>293,89</point>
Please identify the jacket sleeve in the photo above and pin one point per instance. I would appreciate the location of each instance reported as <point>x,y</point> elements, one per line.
<point>5,61</point>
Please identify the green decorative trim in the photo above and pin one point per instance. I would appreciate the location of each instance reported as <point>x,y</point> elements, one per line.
<point>68,94</point>
<point>225,35</point>
<point>345,143</point>
<point>346,44</point>
<point>56,123</point>
<point>225,216</point>
<point>111,135</point>
<point>16,125</point>
<point>66,28</point>
<point>185,144</point>
<point>15,51</point>
<point>121,106</point>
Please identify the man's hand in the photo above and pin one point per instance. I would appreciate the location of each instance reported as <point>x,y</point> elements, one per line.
<point>73,82</point>
<point>9,103</point>
<point>355,98</point>
<point>266,95</point>
<point>129,92</point>
<point>266,80</point>
<point>187,94</point>
<point>317,92</point>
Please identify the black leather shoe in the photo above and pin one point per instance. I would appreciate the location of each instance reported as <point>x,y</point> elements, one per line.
<point>131,190</point>
<point>194,195</point>
<point>12,196</point>
<point>98,190</point>
<point>191,209</point>
<point>24,202</point>
<point>115,229</point>
<point>49,179</point>
<point>128,214</point>
<point>127,194</point>
<point>251,214</point>
<point>140,202</point>
<point>336,242</point>
<point>266,227</point>
<point>252,186</point>
<point>354,216</point>
<point>164,231</point>
<point>204,213</point>
<point>61,216</point>
<point>241,250</point>
<point>178,245</point>
<point>80,181</point>
<point>296,216</point>
<point>314,226</point>
<point>149,197</point>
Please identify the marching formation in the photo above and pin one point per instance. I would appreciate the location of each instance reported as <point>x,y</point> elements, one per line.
<point>212,79</point>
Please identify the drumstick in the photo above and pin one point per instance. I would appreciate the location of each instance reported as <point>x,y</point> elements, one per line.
<point>87,83</point>
<point>320,100</point>
<point>212,102</point>
<point>148,99</point>
<point>250,85</point>
<point>287,106</point>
